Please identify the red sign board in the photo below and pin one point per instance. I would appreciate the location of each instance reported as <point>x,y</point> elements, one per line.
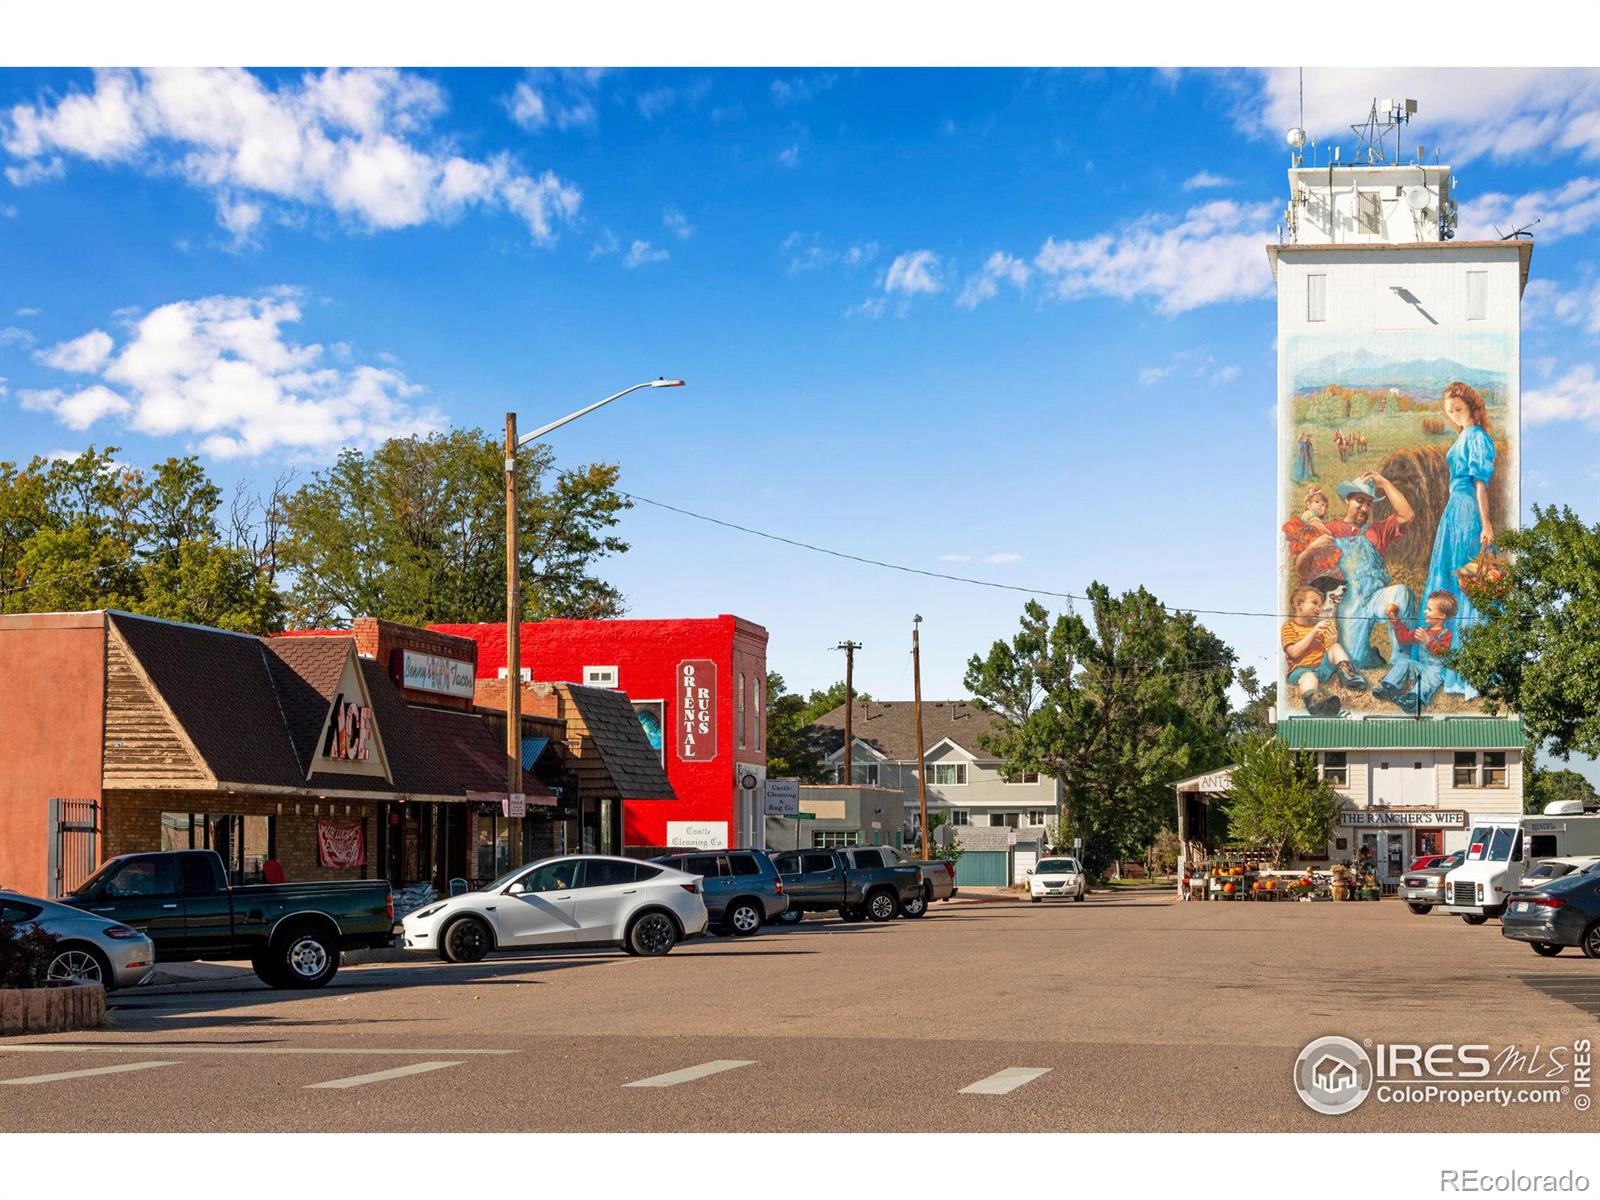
<point>341,844</point>
<point>697,710</point>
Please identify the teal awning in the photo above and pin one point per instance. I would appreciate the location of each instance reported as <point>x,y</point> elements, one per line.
<point>532,748</point>
<point>1401,733</point>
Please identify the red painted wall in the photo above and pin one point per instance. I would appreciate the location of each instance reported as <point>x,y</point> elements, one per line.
<point>646,655</point>
<point>52,691</point>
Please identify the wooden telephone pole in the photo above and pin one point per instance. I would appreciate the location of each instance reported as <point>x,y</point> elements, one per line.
<point>922,767</point>
<point>513,621</point>
<point>849,649</point>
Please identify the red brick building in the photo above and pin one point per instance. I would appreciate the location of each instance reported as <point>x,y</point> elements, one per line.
<point>699,687</point>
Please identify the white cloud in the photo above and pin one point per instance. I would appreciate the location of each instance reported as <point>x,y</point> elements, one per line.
<point>1544,300</point>
<point>35,171</point>
<point>81,356</point>
<point>14,336</point>
<point>1226,374</point>
<point>789,156</point>
<point>808,252</point>
<point>1572,208</point>
<point>565,99</point>
<point>677,224</point>
<point>871,308</point>
<point>64,455</point>
<point>27,312</point>
<point>800,88</point>
<point>642,252</point>
<point>985,284</point>
<point>1573,397</point>
<point>1151,375</point>
<point>1206,179</point>
<point>1001,560</point>
<point>1213,255</point>
<point>1466,113</point>
<point>352,142</point>
<point>914,273</point>
<point>221,371</point>
<point>606,243</point>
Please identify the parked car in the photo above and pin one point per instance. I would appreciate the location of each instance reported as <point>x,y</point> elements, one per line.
<point>1422,885</point>
<point>1499,854</point>
<point>742,889</point>
<point>820,880</point>
<point>1061,877</point>
<point>938,878</point>
<point>91,949</point>
<point>575,900</point>
<point>1563,912</point>
<point>1543,874</point>
<point>292,933</point>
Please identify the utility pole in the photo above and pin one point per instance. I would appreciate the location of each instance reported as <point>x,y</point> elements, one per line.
<point>922,767</point>
<point>513,621</point>
<point>849,649</point>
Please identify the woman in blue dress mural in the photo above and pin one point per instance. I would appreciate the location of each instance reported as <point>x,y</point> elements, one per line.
<point>1464,526</point>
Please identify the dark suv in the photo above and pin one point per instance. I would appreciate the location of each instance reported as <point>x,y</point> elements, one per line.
<point>742,888</point>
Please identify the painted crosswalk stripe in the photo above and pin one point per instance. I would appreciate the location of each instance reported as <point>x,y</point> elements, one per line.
<point>672,1078</point>
<point>380,1076</point>
<point>59,1075</point>
<point>1005,1081</point>
<point>218,1048</point>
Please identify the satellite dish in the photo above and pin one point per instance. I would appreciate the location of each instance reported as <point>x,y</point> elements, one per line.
<point>1417,198</point>
<point>1296,137</point>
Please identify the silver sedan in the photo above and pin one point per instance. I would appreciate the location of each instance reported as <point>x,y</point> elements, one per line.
<point>90,948</point>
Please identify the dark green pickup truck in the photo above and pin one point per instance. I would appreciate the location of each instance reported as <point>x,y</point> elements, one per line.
<point>292,933</point>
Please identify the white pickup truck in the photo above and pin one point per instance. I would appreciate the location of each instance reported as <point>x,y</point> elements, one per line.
<point>1499,854</point>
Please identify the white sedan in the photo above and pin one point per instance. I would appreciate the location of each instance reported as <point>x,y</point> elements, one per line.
<point>1057,877</point>
<point>575,900</point>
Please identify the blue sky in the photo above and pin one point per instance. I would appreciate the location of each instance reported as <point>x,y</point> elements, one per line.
<point>1009,324</point>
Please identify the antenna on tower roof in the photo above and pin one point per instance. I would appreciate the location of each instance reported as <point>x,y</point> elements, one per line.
<point>1377,127</point>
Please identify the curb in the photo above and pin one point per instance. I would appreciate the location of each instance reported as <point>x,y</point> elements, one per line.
<point>52,1009</point>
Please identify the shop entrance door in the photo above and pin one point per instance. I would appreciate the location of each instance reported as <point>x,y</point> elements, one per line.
<point>1388,848</point>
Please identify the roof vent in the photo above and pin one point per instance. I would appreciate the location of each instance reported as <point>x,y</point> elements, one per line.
<point>1564,808</point>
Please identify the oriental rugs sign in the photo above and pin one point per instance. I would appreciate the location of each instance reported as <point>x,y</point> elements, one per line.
<point>697,710</point>
<point>1408,818</point>
<point>433,673</point>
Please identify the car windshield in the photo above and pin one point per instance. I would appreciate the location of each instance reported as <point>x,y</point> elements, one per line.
<point>89,884</point>
<point>1058,866</point>
<point>1547,871</point>
<point>1478,843</point>
<point>1500,844</point>
<point>505,879</point>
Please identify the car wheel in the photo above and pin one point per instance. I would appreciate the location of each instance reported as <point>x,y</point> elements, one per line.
<point>79,964</point>
<point>652,934</point>
<point>916,907</point>
<point>304,957</point>
<point>1421,910</point>
<point>1591,941</point>
<point>465,940</point>
<point>792,916</point>
<point>1474,918</point>
<point>1547,949</point>
<point>744,918</point>
<point>882,906</point>
<point>1081,897</point>
<point>850,914</point>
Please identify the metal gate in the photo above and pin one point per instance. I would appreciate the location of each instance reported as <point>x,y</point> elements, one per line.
<point>984,868</point>
<point>74,843</point>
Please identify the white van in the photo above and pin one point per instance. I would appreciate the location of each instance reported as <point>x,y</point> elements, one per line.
<point>1498,854</point>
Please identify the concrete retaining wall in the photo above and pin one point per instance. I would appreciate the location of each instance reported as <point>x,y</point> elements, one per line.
<point>53,1009</point>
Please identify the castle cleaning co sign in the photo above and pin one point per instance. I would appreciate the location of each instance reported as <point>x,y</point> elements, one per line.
<point>697,710</point>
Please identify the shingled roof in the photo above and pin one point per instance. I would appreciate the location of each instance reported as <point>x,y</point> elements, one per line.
<point>889,727</point>
<point>629,759</point>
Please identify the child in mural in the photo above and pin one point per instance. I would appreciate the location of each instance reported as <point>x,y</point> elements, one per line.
<point>1464,526</point>
<point>1300,531</point>
<point>1360,543</point>
<point>1314,656</point>
<point>1412,684</point>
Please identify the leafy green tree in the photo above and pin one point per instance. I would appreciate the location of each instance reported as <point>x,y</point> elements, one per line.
<point>822,701</point>
<point>1276,800</point>
<point>791,754</point>
<point>415,531</point>
<point>947,850</point>
<point>207,583</point>
<point>1259,698</point>
<point>1115,708</point>
<point>1543,787</point>
<point>1536,649</point>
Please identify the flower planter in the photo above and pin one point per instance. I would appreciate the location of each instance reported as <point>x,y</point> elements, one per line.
<point>52,1009</point>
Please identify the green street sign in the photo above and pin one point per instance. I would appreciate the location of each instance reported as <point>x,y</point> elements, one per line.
<point>800,816</point>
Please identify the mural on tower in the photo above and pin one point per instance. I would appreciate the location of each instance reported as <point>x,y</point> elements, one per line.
<point>1397,465</point>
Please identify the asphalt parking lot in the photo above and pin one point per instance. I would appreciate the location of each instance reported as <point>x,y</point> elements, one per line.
<point>1129,1012</point>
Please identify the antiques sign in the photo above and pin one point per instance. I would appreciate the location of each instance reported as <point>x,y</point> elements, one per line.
<point>433,673</point>
<point>697,710</point>
<point>1411,818</point>
<point>341,844</point>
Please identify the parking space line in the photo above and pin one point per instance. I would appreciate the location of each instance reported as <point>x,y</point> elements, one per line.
<point>1005,1081</point>
<point>380,1076</point>
<point>221,1048</point>
<point>672,1078</point>
<point>59,1075</point>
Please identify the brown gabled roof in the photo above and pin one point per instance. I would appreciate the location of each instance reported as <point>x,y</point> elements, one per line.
<point>467,749</point>
<point>305,672</point>
<point>614,727</point>
<point>889,727</point>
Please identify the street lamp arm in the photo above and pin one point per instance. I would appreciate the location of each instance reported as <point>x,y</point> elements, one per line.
<point>554,425</point>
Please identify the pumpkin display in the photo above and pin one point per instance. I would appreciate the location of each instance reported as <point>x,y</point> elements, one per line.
<point>1272,885</point>
<point>1238,871</point>
<point>1256,886</point>
<point>1229,888</point>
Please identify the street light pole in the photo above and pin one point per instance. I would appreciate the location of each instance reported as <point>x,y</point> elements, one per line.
<point>513,604</point>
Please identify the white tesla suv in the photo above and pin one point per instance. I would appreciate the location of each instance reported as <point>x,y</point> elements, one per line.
<point>574,900</point>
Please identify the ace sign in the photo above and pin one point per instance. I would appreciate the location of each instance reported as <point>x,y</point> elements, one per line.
<point>697,710</point>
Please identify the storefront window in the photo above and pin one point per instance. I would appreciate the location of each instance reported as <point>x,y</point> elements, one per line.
<point>1336,768</point>
<point>494,847</point>
<point>243,842</point>
<point>832,839</point>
